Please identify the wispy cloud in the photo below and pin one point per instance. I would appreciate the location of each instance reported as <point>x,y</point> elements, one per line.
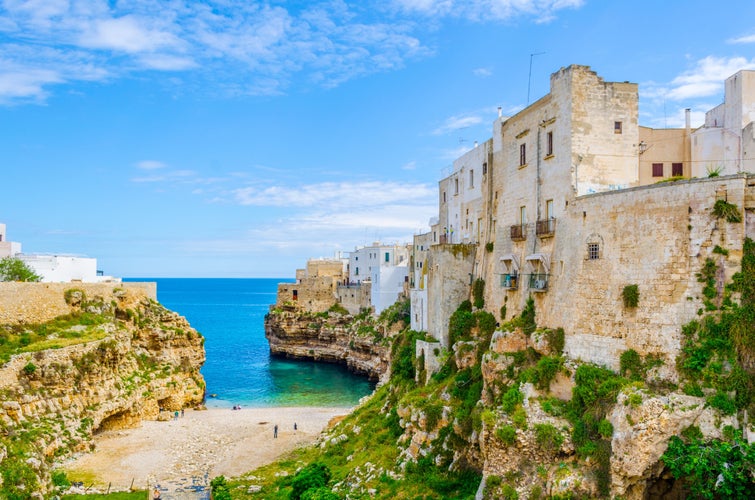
<point>150,165</point>
<point>233,46</point>
<point>337,195</point>
<point>705,79</point>
<point>482,72</point>
<point>458,122</point>
<point>238,46</point>
<point>475,10</point>
<point>743,39</point>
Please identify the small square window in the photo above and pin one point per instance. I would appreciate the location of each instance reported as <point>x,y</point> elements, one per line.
<point>616,127</point>
<point>657,169</point>
<point>593,251</point>
<point>677,169</point>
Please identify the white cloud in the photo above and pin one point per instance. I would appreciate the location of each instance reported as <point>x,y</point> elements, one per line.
<point>337,195</point>
<point>743,39</point>
<point>480,10</point>
<point>707,78</point>
<point>482,72</point>
<point>412,165</point>
<point>150,165</point>
<point>458,122</point>
<point>128,34</point>
<point>236,47</point>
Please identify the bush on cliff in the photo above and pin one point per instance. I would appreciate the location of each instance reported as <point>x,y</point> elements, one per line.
<point>14,269</point>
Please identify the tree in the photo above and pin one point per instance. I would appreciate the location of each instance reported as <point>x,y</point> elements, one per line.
<point>14,269</point>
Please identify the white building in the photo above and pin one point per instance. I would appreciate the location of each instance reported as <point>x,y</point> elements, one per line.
<point>7,248</point>
<point>386,267</point>
<point>55,268</point>
<point>726,143</point>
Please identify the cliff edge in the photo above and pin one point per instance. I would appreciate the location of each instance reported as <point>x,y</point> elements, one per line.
<point>114,358</point>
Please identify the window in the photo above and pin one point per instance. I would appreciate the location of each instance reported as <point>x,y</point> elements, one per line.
<point>295,295</point>
<point>549,209</point>
<point>522,154</point>
<point>593,251</point>
<point>456,186</point>
<point>471,179</point>
<point>522,215</point>
<point>387,257</point>
<point>356,272</point>
<point>484,168</point>
<point>657,169</point>
<point>616,127</point>
<point>677,169</point>
<point>444,196</point>
<point>549,144</point>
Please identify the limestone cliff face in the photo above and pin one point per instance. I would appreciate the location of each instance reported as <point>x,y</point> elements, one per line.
<point>337,338</point>
<point>139,359</point>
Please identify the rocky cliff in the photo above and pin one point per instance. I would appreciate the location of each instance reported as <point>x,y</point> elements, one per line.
<point>114,359</point>
<point>361,343</point>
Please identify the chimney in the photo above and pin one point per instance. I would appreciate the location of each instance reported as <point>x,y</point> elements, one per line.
<point>687,119</point>
<point>475,144</point>
<point>500,113</point>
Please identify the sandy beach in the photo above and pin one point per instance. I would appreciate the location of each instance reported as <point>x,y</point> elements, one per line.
<point>200,445</point>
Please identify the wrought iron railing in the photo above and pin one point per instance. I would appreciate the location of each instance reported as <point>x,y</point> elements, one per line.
<point>545,227</point>
<point>519,232</point>
<point>538,282</point>
<point>510,281</point>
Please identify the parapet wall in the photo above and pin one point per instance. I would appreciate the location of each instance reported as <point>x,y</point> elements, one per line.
<point>40,302</point>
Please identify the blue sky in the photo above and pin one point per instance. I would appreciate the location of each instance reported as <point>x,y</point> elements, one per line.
<point>238,138</point>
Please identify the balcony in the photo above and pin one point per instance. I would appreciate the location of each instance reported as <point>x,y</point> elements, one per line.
<point>519,232</point>
<point>510,281</point>
<point>538,282</point>
<point>545,228</point>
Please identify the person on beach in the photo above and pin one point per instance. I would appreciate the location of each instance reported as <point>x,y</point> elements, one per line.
<point>294,425</point>
<point>275,431</point>
<point>156,494</point>
<point>182,413</point>
<point>175,415</point>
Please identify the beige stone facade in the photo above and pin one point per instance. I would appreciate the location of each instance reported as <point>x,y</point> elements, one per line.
<point>33,303</point>
<point>575,215</point>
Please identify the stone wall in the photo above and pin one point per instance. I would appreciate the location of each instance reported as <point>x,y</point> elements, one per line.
<point>355,298</point>
<point>313,294</point>
<point>41,302</point>
<point>657,237</point>
<point>450,270</point>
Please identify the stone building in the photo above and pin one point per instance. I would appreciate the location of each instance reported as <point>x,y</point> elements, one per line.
<point>385,268</point>
<point>567,211</point>
<point>315,287</point>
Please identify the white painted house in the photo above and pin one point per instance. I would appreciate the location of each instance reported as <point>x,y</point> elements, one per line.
<point>386,267</point>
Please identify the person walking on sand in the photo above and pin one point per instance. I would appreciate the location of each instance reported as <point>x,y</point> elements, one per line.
<point>275,431</point>
<point>294,425</point>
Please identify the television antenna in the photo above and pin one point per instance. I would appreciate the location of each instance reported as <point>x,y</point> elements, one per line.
<point>529,79</point>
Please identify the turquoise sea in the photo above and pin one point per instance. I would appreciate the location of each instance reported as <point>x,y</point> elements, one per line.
<point>239,368</point>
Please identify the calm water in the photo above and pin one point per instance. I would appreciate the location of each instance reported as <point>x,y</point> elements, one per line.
<point>239,369</point>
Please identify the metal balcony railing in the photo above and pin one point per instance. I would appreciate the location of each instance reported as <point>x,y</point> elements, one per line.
<point>519,232</point>
<point>545,227</point>
<point>510,281</point>
<point>538,282</point>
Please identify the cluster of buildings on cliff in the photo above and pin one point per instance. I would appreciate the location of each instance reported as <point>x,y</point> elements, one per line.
<point>565,204</point>
<point>54,268</point>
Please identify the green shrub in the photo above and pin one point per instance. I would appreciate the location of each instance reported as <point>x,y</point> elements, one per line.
<point>631,296</point>
<point>528,317</point>
<point>478,293</point>
<point>489,246</point>
<point>545,371</point>
<point>313,476</point>
<point>716,469</point>
<point>30,368</point>
<point>725,210</point>
<point>548,437</point>
<point>507,434</point>
<point>556,340</point>
<point>630,364</point>
<point>605,429</point>
<point>338,308</point>
<point>511,399</point>
<point>322,493</point>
